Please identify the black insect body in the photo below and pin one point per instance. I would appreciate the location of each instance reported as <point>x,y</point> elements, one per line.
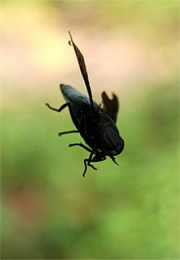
<point>95,124</point>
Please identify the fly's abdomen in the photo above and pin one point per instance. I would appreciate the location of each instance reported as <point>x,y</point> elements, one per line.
<point>73,96</point>
<point>80,105</point>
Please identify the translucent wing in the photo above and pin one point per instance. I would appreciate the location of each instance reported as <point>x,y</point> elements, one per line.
<point>82,67</point>
<point>110,106</point>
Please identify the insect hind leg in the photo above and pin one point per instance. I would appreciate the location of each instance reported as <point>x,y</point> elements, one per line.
<point>57,109</point>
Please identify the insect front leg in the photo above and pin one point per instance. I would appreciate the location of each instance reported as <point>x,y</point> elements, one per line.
<point>87,162</point>
<point>57,109</point>
<point>96,158</point>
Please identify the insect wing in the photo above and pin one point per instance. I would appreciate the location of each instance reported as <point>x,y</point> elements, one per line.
<point>83,70</point>
<point>110,106</point>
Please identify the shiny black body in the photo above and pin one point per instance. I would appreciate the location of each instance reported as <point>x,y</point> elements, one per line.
<point>96,124</point>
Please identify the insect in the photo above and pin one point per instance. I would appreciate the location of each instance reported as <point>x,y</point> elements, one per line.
<point>96,124</point>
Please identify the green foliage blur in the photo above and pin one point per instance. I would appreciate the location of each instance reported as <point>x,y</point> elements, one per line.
<point>48,210</point>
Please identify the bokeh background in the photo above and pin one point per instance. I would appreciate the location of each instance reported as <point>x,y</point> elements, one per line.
<point>48,210</point>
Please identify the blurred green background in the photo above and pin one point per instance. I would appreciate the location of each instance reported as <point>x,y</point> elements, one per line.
<point>48,210</point>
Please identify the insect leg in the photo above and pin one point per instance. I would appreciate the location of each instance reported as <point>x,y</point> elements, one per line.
<point>57,109</point>
<point>113,159</point>
<point>83,146</point>
<point>68,132</point>
<point>87,162</point>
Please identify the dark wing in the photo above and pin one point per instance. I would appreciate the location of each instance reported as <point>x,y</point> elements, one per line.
<point>110,106</point>
<point>82,67</point>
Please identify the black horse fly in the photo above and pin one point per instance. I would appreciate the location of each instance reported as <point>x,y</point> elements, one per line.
<point>96,124</point>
